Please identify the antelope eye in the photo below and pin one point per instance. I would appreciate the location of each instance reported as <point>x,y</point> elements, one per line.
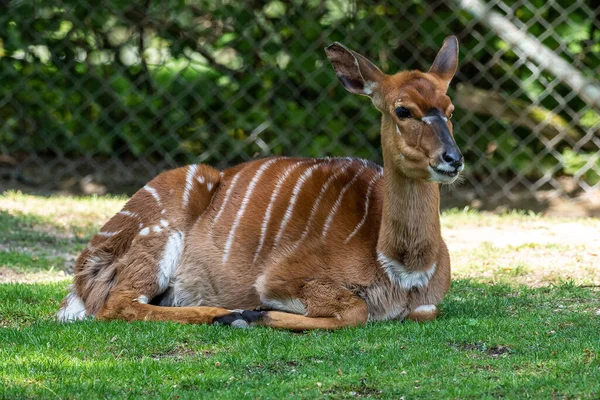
<point>402,112</point>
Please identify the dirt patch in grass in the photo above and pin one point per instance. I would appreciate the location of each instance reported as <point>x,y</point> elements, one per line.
<point>494,351</point>
<point>532,250</point>
<point>8,275</point>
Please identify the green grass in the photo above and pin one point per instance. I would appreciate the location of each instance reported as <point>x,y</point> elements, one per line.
<point>490,341</point>
<point>495,337</point>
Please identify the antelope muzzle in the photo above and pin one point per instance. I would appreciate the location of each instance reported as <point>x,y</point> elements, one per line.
<point>449,161</point>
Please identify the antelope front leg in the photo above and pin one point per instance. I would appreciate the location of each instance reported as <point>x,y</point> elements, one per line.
<point>423,302</point>
<point>357,315</point>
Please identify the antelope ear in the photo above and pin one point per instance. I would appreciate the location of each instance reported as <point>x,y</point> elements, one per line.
<point>446,61</point>
<point>357,73</point>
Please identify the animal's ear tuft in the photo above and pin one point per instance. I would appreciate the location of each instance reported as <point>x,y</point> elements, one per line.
<point>446,61</point>
<point>355,72</point>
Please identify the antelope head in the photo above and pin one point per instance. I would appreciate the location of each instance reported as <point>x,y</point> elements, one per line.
<point>416,132</point>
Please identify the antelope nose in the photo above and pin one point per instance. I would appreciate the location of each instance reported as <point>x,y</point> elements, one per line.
<point>453,157</point>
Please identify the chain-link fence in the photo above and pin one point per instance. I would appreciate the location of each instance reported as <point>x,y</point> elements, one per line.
<point>113,92</point>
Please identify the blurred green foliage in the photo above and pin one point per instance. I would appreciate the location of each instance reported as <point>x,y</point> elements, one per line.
<point>223,81</point>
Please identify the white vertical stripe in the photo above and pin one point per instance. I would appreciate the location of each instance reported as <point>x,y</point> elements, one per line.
<point>108,234</point>
<point>338,202</point>
<point>366,213</point>
<point>127,213</point>
<point>189,182</point>
<point>316,204</point>
<point>243,206</point>
<point>227,195</point>
<point>295,192</point>
<point>265,224</point>
<point>154,193</point>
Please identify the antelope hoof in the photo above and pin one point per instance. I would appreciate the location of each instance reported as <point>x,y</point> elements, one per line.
<point>423,313</point>
<point>240,318</point>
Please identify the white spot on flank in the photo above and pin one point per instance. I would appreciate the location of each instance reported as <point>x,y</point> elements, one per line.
<point>189,182</point>
<point>108,234</point>
<point>145,231</point>
<point>141,225</point>
<point>156,228</point>
<point>163,211</point>
<point>209,186</point>
<point>366,213</point>
<point>142,299</point>
<point>295,192</point>
<point>399,275</point>
<point>243,206</point>
<point>73,310</point>
<point>164,223</point>
<point>153,192</point>
<point>127,213</point>
<point>200,179</point>
<point>315,206</point>
<point>338,202</point>
<point>227,195</point>
<point>263,229</point>
<point>170,260</point>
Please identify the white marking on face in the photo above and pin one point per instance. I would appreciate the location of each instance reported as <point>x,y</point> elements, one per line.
<point>170,259</point>
<point>145,231</point>
<point>209,186</point>
<point>227,195</point>
<point>243,206</point>
<point>153,192</point>
<point>338,202</point>
<point>265,224</point>
<point>189,182</point>
<point>445,167</point>
<point>315,206</point>
<point>431,118</point>
<point>73,310</point>
<point>399,275</point>
<point>398,130</point>
<point>366,213</point>
<point>127,213</point>
<point>290,209</point>
<point>108,234</point>
<point>200,179</point>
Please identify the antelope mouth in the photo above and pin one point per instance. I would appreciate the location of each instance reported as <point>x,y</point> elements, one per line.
<point>451,174</point>
<point>443,174</point>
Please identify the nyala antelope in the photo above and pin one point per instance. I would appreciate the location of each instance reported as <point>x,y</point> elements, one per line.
<point>292,243</point>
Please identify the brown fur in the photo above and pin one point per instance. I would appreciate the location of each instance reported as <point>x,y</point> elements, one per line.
<point>205,254</point>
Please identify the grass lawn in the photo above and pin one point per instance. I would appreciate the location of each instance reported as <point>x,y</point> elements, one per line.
<point>521,320</point>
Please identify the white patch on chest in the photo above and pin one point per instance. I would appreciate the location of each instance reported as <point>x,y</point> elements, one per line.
<point>74,310</point>
<point>170,259</point>
<point>399,275</point>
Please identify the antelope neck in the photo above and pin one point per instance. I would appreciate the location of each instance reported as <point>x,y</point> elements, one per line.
<point>410,221</point>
